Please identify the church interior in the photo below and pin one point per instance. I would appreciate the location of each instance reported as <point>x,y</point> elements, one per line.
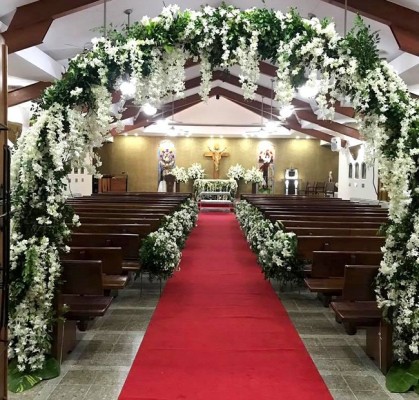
<point>107,290</point>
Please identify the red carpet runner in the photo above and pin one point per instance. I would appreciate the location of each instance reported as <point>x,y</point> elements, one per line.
<point>219,331</point>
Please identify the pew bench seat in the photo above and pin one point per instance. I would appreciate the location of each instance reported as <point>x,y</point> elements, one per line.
<point>354,314</point>
<point>131,266</point>
<point>114,282</point>
<point>325,287</point>
<point>85,308</point>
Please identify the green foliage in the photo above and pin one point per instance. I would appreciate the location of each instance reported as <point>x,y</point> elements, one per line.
<point>362,44</point>
<point>20,381</point>
<point>402,378</point>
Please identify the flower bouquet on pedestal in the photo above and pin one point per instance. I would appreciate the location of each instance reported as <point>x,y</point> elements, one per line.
<point>195,171</point>
<point>255,176</point>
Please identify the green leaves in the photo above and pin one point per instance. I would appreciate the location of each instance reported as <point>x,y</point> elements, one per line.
<point>20,381</point>
<point>401,378</point>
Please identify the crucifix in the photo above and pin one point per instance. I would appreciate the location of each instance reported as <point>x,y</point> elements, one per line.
<point>216,154</point>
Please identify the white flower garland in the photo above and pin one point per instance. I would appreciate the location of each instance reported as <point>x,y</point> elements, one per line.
<point>74,117</point>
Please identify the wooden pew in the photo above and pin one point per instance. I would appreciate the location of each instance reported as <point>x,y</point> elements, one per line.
<point>111,258</point>
<point>304,231</point>
<point>140,229</point>
<point>289,224</point>
<point>129,244</point>
<point>82,291</point>
<point>329,269</point>
<point>308,244</point>
<point>358,308</point>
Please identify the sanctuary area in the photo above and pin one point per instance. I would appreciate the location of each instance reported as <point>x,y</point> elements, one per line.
<point>209,202</point>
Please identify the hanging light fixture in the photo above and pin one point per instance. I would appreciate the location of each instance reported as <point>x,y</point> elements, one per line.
<point>128,12</point>
<point>149,109</point>
<point>271,125</point>
<point>172,131</point>
<point>286,111</point>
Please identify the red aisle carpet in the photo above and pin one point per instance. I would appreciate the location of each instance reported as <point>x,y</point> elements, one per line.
<point>219,331</point>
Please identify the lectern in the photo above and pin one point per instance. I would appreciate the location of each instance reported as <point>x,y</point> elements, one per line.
<point>291,181</point>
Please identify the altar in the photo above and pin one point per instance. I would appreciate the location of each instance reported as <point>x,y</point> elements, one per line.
<point>215,186</point>
<point>215,194</point>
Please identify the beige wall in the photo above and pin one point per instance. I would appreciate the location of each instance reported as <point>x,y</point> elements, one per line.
<point>137,157</point>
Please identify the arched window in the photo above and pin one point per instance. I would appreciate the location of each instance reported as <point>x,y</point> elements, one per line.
<point>350,170</point>
<point>356,170</point>
<point>363,171</point>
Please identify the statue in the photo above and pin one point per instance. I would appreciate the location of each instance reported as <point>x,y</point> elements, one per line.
<point>330,179</point>
<point>216,154</point>
<point>266,159</point>
<point>166,164</point>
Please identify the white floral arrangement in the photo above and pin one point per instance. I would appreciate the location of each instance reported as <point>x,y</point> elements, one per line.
<point>195,171</point>
<point>73,118</point>
<point>159,254</point>
<point>254,175</point>
<point>236,172</point>
<point>180,174</point>
<point>275,248</point>
<point>160,251</point>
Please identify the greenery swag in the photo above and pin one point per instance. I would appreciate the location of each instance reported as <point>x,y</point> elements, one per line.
<point>73,117</point>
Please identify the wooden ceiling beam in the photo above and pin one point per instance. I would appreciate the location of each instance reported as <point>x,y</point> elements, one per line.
<point>270,70</point>
<point>332,125</point>
<point>26,93</point>
<point>179,105</point>
<point>256,107</point>
<point>31,22</point>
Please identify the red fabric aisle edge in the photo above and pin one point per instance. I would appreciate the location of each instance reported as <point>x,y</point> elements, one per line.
<point>219,331</point>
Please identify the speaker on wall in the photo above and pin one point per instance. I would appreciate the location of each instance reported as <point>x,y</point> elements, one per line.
<point>335,143</point>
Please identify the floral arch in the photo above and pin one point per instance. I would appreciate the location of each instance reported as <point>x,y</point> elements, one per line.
<point>73,118</point>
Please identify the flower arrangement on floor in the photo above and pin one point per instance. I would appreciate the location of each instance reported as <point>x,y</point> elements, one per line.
<point>159,254</point>
<point>160,251</point>
<point>236,172</point>
<point>254,175</point>
<point>195,171</point>
<point>180,174</point>
<point>275,248</point>
<point>73,117</point>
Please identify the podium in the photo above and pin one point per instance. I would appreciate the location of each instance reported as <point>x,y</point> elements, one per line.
<point>291,181</point>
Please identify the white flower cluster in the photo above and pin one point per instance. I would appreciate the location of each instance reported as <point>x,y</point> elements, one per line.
<point>160,251</point>
<point>254,175</point>
<point>195,171</point>
<point>236,172</point>
<point>214,185</point>
<point>276,249</point>
<point>180,174</point>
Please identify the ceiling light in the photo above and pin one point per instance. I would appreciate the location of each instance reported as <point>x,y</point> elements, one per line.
<point>297,137</point>
<point>149,109</point>
<point>286,111</point>
<point>281,130</point>
<point>172,131</point>
<point>135,134</point>
<point>308,137</point>
<point>127,88</point>
<point>309,90</point>
<point>221,136</point>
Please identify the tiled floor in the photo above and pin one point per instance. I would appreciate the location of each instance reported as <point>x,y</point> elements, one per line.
<point>97,369</point>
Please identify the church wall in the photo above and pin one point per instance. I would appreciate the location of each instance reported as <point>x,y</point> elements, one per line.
<point>356,186</point>
<point>137,157</point>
